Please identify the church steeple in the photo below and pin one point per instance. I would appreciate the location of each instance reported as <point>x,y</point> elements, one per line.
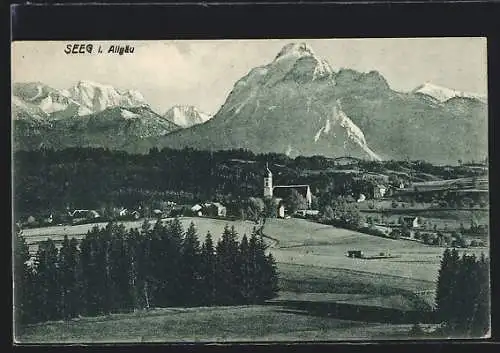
<point>268,183</point>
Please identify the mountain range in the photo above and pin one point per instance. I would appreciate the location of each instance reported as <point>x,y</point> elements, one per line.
<point>296,104</point>
<point>89,114</point>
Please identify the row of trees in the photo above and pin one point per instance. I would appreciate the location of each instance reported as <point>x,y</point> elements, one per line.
<point>463,294</point>
<point>115,270</point>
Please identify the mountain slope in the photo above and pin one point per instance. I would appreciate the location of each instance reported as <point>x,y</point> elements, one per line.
<point>287,106</point>
<point>88,114</point>
<point>84,98</point>
<point>112,128</point>
<point>297,105</point>
<point>442,94</point>
<point>186,116</point>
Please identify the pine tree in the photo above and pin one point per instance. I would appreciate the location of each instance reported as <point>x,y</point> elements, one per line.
<point>246,264</point>
<point>23,283</point>
<point>92,271</point>
<point>207,271</point>
<point>463,294</point>
<point>466,287</point>
<point>270,285</point>
<point>119,270</point>
<point>446,293</point>
<point>47,281</point>
<point>227,268</point>
<point>68,268</point>
<point>190,267</point>
<point>480,324</point>
<point>133,240</point>
<point>265,272</point>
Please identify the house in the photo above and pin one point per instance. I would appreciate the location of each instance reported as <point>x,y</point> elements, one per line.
<point>281,211</point>
<point>379,191</point>
<point>196,209</point>
<point>355,254</point>
<point>214,209</point>
<point>210,209</point>
<point>412,222</point>
<point>84,215</point>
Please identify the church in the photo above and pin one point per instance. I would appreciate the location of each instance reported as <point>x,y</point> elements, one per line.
<point>279,192</point>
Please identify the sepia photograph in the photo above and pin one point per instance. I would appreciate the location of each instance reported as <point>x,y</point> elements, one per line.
<point>250,190</point>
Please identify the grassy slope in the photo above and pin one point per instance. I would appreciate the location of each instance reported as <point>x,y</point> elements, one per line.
<point>244,323</point>
<point>312,267</point>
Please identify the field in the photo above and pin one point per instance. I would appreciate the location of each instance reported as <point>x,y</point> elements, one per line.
<point>217,324</point>
<point>324,294</point>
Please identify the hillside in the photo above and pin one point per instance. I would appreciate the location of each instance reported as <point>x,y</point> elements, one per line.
<point>297,105</point>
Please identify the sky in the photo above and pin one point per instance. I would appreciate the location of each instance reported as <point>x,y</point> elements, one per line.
<point>202,73</point>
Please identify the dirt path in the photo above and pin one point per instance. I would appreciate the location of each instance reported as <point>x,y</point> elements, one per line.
<point>274,242</point>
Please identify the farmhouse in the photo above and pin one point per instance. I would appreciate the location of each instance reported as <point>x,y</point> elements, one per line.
<point>210,209</point>
<point>214,209</point>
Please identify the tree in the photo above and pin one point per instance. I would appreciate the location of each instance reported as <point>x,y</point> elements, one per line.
<point>119,270</point>
<point>68,267</point>
<point>246,264</point>
<point>190,267</point>
<point>47,281</point>
<point>228,268</point>
<point>480,324</point>
<point>463,294</point>
<point>262,275</point>
<point>295,201</point>
<point>207,271</point>
<point>447,296</point>
<point>253,208</point>
<point>24,300</point>
<point>93,277</point>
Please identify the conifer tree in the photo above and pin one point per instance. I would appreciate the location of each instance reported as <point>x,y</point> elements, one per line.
<point>207,270</point>
<point>463,294</point>
<point>92,266</point>
<point>480,324</point>
<point>68,268</point>
<point>245,261</point>
<point>133,240</point>
<point>175,235</point>
<point>227,267</point>
<point>23,283</point>
<point>190,267</point>
<point>446,293</point>
<point>119,270</point>
<point>254,270</point>
<point>270,280</point>
<point>47,281</point>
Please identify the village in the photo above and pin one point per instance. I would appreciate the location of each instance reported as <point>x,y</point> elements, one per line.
<point>451,212</point>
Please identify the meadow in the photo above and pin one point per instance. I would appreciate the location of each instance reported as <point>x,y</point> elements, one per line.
<point>323,293</point>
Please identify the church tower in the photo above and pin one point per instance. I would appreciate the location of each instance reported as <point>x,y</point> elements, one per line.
<point>268,183</point>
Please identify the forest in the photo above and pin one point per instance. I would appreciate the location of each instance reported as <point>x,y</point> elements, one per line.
<point>463,295</point>
<point>48,181</point>
<point>161,265</point>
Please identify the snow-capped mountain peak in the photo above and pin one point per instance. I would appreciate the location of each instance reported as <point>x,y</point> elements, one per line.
<point>442,94</point>
<point>186,116</point>
<point>295,50</point>
<point>96,96</point>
